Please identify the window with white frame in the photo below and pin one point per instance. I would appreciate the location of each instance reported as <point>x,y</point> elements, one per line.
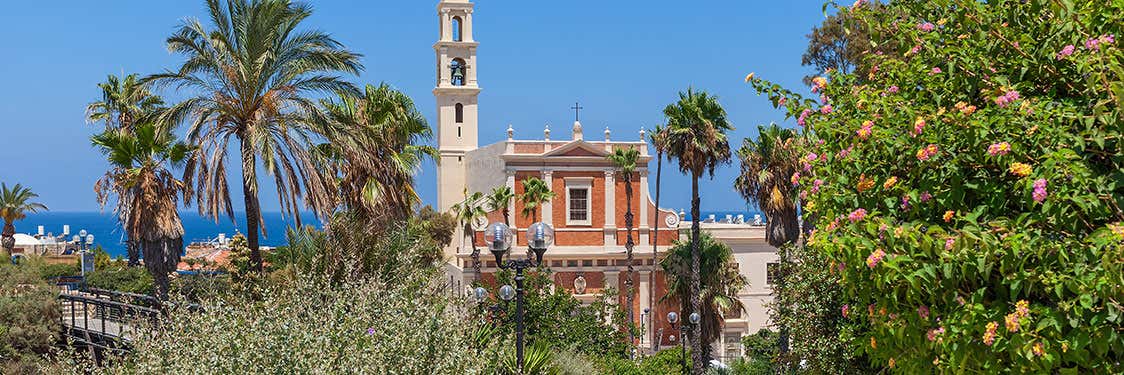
<point>578,192</point>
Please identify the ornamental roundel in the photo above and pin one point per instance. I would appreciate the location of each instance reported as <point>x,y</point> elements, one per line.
<point>579,284</point>
<point>672,221</point>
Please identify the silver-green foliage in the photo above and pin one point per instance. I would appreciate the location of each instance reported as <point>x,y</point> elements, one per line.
<point>410,326</point>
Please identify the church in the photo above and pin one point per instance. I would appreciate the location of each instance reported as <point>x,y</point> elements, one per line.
<point>589,204</point>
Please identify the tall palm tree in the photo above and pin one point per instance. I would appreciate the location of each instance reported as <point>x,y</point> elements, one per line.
<point>15,204</point>
<point>767,163</point>
<point>468,213</point>
<point>720,284</point>
<point>697,127</point>
<point>251,74</point>
<point>535,193</point>
<point>659,141</point>
<point>374,151</point>
<point>625,162</point>
<point>499,199</point>
<point>124,103</point>
<point>147,192</point>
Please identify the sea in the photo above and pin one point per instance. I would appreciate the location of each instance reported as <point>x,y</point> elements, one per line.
<point>109,235</point>
<point>197,228</point>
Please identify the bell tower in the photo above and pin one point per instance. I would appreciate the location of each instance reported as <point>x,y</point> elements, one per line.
<point>456,95</point>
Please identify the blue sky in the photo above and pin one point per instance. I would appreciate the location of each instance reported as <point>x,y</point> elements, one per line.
<point>624,60</point>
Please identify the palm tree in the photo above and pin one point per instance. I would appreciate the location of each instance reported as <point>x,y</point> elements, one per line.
<point>659,141</point>
<point>697,127</point>
<point>766,166</point>
<point>468,212</point>
<point>251,75</point>
<point>625,162</point>
<point>15,204</point>
<point>720,284</point>
<point>124,103</point>
<point>147,192</point>
<point>374,151</point>
<point>535,193</point>
<point>499,199</point>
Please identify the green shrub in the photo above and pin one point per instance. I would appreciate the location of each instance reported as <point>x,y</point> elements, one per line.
<point>29,317</point>
<point>60,269</point>
<point>122,279</point>
<point>410,326</point>
<point>665,362</point>
<point>968,189</point>
<point>568,362</point>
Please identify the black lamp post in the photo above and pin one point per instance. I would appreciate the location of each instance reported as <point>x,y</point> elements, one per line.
<point>673,318</point>
<point>500,237</point>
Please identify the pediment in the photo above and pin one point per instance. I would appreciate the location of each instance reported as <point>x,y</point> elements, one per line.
<point>578,148</point>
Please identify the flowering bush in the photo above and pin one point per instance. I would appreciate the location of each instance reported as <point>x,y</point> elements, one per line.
<point>998,245</point>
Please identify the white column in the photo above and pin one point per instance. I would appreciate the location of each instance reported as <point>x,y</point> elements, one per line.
<point>643,224</point>
<point>446,25</point>
<point>645,294</point>
<point>610,208</point>
<point>547,208</point>
<point>511,204</point>
<point>468,26</point>
<point>471,68</point>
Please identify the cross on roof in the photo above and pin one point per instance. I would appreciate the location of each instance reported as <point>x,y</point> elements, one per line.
<point>577,111</point>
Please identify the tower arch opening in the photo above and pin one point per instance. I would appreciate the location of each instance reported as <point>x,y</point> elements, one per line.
<point>457,29</point>
<point>459,70</point>
<point>459,109</point>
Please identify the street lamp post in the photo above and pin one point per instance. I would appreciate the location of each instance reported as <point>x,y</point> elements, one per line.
<point>693,319</point>
<point>500,237</point>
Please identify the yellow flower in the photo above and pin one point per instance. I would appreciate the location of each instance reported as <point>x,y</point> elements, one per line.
<point>1019,169</point>
<point>873,344</point>
<point>890,182</point>
<point>948,216</point>
<point>1037,349</point>
<point>810,206</point>
<point>1012,322</point>
<point>891,363</point>
<point>819,82</point>
<point>1065,347</point>
<point>749,77</point>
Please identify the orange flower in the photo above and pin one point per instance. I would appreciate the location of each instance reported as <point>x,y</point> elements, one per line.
<point>873,344</point>
<point>864,183</point>
<point>1037,349</point>
<point>948,216</point>
<point>890,182</point>
<point>749,77</point>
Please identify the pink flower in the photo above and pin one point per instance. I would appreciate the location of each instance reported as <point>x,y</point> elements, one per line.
<point>949,242</point>
<point>780,103</point>
<point>935,333</point>
<point>795,179</point>
<point>1007,98</point>
<point>824,99</point>
<point>846,308</point>
<point>812,157</point>
<point>905,202</point>
<point>918,126</point>
<point>999,149</point>
<point>915,50</point>
<point>874,258</point>
<point>858,3</point>
<point>1066,51</point>
<point>1040,190</point>
<point>857,215</point>
<point>936,70</point>
<point>816,185</point>
<point>807,166</point>
<point>1108,39</point>
<point>926,27</point>
<point>925,196</point>
<point>826,109</point>
<point>893,89</point>
<point>844,153</point>
<point>803,117</point>
<point>1093,44</point>
<point>923,311</point>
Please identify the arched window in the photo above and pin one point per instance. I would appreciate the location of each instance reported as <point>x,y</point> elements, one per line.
<point>459,70</point>
<point>460,113</point>
<point>456,29</point>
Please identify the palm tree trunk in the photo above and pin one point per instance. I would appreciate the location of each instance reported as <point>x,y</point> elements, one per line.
<point>132,249</point>
<point>697,357</point>
<point>8,240</point>
<point>253,209</point>
<point>506,216</point>
<point>628,245</point>
<point>471,234</point>
<point>655,245</point>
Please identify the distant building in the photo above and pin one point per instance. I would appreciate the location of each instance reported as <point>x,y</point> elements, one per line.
<point>589,206</point>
